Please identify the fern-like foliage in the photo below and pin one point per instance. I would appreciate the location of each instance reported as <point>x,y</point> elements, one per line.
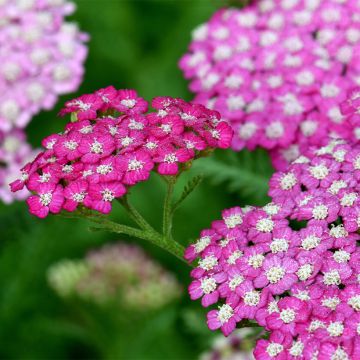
<point>245,173</point>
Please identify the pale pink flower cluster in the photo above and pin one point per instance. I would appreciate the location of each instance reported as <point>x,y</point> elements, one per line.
<point>277,70</point>
<point>293,265</point>
<point>14,152</point>
<point>113,144</point>
<point>41,57</point>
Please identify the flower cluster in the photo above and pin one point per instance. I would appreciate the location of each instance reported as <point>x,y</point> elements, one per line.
<point>14,152</point>
<point>293,265</point>
<point>235,347</point>
<point>113,144</point>
<point>41,57</point>
<point>277,70</point>
<point>119,273</point>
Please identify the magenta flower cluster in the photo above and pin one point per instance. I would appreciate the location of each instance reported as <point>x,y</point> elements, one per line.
<point>277,70</point>
<point>293,265</point>
<point>41,57</point>
<point>113,144</point>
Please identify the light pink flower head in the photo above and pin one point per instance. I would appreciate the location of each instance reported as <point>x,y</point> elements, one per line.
<point>42,57</point>
<point>278,70</point>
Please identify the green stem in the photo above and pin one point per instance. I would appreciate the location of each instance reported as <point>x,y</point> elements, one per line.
<point>152,236</point>
<point>134,214</point>
<point>167,214</point>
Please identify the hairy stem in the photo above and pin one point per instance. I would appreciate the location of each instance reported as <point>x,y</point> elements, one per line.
<point>167,212</point>
<point>150,235</point>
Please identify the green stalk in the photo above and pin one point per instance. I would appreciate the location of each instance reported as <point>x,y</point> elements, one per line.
<point>167,213</point>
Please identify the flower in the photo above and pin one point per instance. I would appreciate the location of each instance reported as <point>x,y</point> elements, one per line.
<point>14,153</point>
<point>278,70</point>
<point>43,58</point>
<point>111,144</point>
<point>294,263</point>
<point>118,274</point>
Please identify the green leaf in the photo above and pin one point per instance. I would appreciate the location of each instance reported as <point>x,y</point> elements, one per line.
<point>245,173</point>
<point>188,189</point>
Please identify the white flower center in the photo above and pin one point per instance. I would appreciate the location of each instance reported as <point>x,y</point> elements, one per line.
<point>208,285</point>
<point>265,225</point>
<point>341,256</point>
<point>335,328</point>
<point>252,298</point>
<point>354,302</point>
<point>45,199</point>
<point>319,172</point>
<point>338,231</point>
<point>235,102</point>
<point>340,354</point>
<point>233,220</point>
<point>170,158</point>
<point>129,103</point>
<point>104,169</point>
<point>287,315</point>
<point>202,243</point>
<point>329,91</point>
<point>336,186</point>
<point>348,199</point>
<point>310,242</point>
<point>96,147</point>
<point>332,277</point>
<point>208,262</point>
<point>331,302</point>
<point>304,271</point>
<point>79,197</point>
<point>279,245</point>
<point>234,256</point>
<point>296,349</point>
<point>288,181</point>
<point>225,313</point>
<point>126,141</point>
<point>271,209</point>
<point>274,349</point>
<point>135,164</point>
<point>107,195</point>
<point>275,274</point>
<point>320,212</point>
<point>247,130</point>
<point>256,260</point>
<point>235,282</point>
<point>275,130</point>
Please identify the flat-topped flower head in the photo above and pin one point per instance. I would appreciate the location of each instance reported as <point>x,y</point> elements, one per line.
<point>278,71</point>
<point>112,144</point>
<point>296,268</point>
<point>43,58</point>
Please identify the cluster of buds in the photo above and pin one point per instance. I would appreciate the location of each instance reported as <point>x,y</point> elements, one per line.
<point>121,274</point>
<point>277,70</point>
<point>112,144</point>
<point>293,265</point>
<point>41,57</point>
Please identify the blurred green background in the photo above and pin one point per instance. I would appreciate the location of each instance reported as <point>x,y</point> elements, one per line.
<point>134,44</point>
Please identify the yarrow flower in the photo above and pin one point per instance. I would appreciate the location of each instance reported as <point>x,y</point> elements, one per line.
<point>292,266</point>
<point>237,346</point>
<point>42,57</point>
<point>277,70</point>
<point>112,144</point>
<point>118,273</point>
<point>14,152</point>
